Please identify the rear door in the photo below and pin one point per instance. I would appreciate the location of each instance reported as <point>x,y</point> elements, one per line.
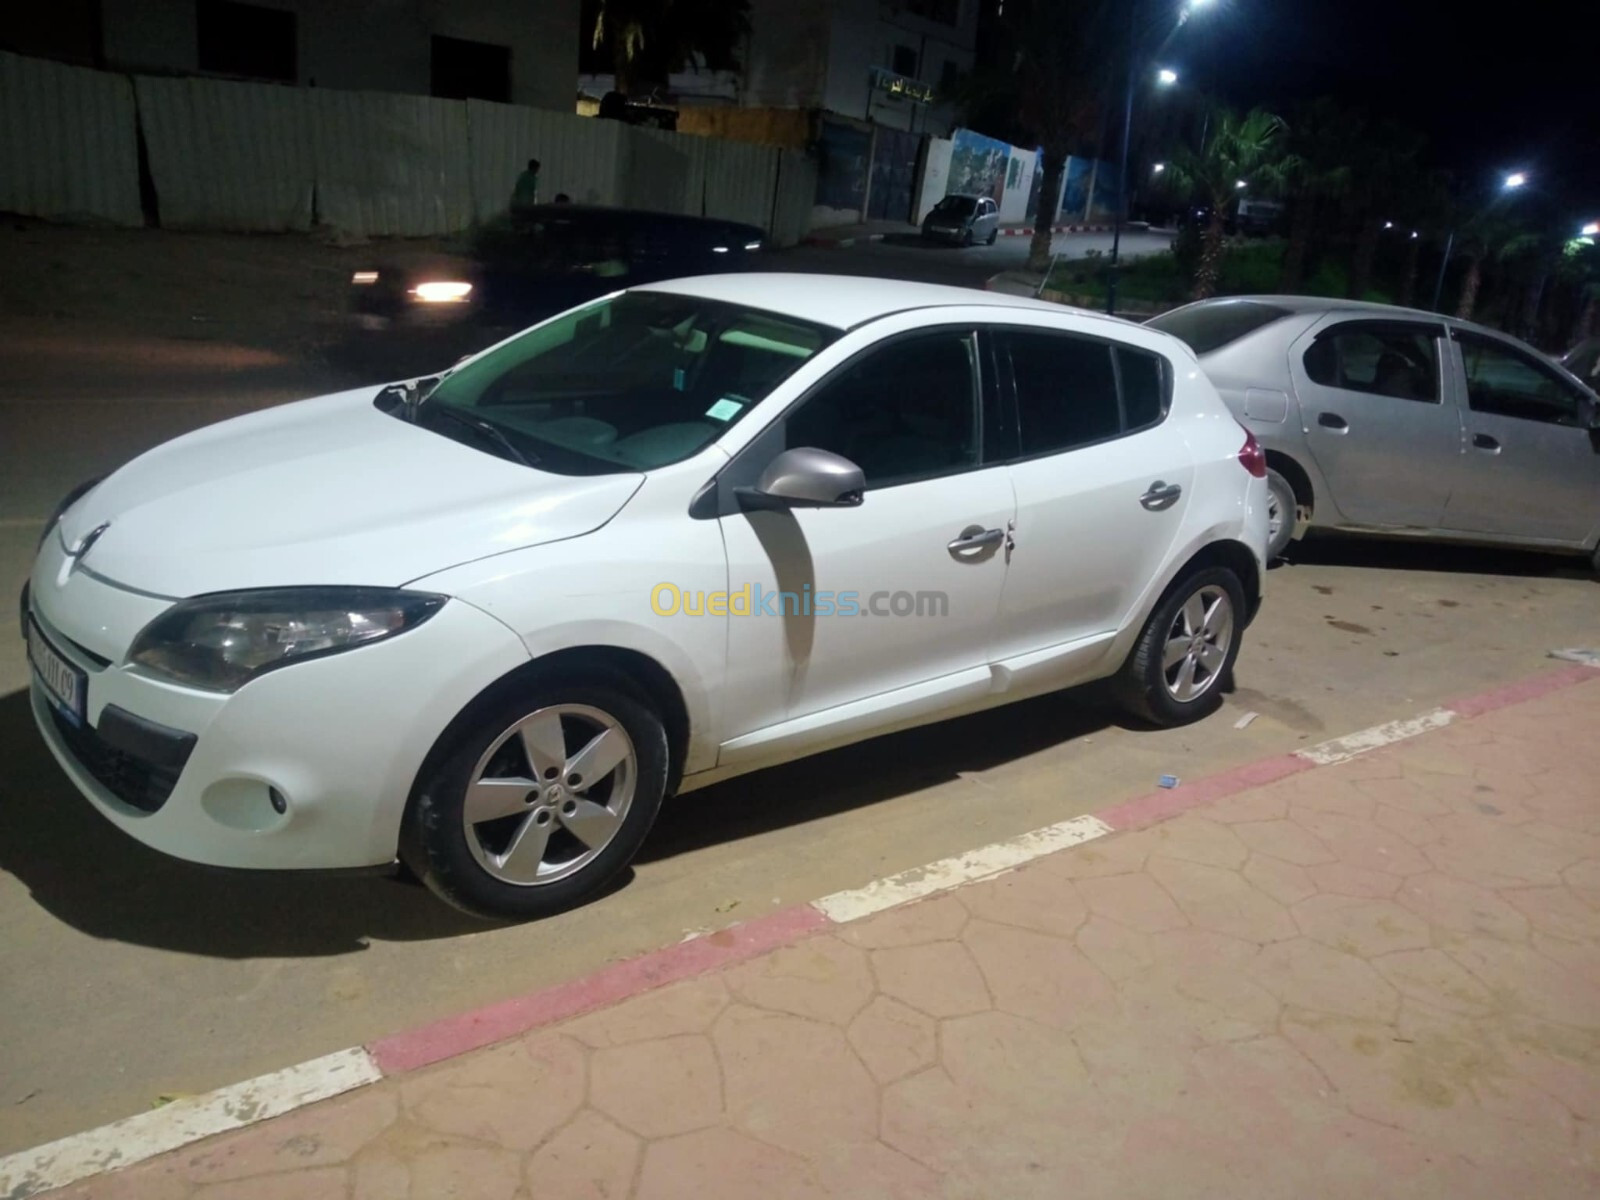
<point>1530,467</point>
<point>1377,421</point>
<point>1102,482</point>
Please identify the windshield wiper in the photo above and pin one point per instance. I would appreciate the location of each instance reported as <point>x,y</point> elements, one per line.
<point>489,430</point>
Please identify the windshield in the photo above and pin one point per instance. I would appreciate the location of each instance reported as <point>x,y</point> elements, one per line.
<point>1208,327</point>
<point>631,382</point>
<point>955,206</point>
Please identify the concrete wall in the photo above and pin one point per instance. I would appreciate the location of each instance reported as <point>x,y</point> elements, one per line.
<point>370,45</point>
<point>863,36</point>
<point>786,57</point>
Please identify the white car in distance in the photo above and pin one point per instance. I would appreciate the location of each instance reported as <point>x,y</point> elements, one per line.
<point>675,535</point>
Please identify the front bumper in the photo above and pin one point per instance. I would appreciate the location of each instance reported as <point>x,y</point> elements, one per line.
<point>306,767</point>
<point>944,235</point>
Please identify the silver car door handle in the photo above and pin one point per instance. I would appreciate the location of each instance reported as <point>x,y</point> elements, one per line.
<point>1482,441</point>
<point>976,537</point>
<point>1161,496</point>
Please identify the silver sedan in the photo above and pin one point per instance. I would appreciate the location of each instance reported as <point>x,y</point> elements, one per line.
<point>1387,420</point>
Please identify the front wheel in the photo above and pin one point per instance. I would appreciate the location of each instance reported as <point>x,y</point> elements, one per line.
<point>1177,669</point>
<point>993,234</point>
<point>966,236</point>
<point>542,802</point>
<point>1281,512</point>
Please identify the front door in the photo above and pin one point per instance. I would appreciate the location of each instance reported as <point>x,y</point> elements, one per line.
<point>1530,467</point>
<point>1377,419</point>
<point>1103,481</point>
<point>891,603</point>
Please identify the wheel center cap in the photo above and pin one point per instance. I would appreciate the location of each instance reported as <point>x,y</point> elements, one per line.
<point>552,794</point>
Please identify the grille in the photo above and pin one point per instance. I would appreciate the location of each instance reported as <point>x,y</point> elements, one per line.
<point>131,779</point>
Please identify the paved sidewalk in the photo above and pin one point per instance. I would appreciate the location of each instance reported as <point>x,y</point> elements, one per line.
<point>1379,978</point>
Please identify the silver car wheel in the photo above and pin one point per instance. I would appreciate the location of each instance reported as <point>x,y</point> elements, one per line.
<point>549,794</point>
<point>1197,644</point>
<point>1274,516</point>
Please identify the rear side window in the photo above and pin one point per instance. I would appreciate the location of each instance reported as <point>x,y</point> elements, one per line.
<point>1075,391</point>
<point>1207,327</point>
<point>1399,360</point>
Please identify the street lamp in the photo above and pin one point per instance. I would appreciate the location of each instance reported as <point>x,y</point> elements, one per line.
<point>1160,167</point>
<point>1592,229</point>
<point>1388,224</point>
<point>1165,77</point>
<point>1514,180</point>
<point>1240,185</point>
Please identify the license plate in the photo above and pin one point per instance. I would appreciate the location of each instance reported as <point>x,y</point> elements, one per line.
<point>63,682</point>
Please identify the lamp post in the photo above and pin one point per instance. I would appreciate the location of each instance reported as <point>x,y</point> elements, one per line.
<point>1166,77</point>
<point>1513,181</point>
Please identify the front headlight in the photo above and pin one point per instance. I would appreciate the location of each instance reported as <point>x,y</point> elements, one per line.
<point>442,291</point>
<point>222,641</point>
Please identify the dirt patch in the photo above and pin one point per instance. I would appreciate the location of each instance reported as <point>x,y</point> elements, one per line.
<point>1349,626</point>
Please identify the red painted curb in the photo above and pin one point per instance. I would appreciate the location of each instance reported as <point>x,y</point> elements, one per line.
<point>496,1022</point>
<point>456,1035</point>
<point>1516,693</point>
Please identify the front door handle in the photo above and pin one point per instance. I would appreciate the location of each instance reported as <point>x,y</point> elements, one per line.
<point>1161,496</point>
<point>1331,420</point>
<point>976,537</point>
<point>1483,441</point>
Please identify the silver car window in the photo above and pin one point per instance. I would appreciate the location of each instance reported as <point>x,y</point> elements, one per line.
<point>1504,381</point>
<point>1380,358</point>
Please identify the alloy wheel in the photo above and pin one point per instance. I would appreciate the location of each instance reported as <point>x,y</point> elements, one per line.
<point>1197,644</point>
<point>549,794</point>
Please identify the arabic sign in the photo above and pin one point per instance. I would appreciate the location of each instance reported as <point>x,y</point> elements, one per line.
<point>899,85</point>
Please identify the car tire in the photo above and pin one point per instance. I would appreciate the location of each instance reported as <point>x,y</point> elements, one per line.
<point>966,236</point>
<point>478,858</point>
<point>1150,685</point>
<point>1283,512</point>
<point>993,235</point>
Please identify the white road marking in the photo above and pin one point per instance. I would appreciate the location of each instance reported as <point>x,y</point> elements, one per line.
<point>129,1141</point>
<point>1341,749</point>
<point>950,873</point>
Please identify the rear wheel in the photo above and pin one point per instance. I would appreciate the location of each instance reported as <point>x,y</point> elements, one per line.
<point>541,803</point>
<point>1282,508</point>
<point>1177,670</point>
<point>966,236</point>
<point>993,234</point>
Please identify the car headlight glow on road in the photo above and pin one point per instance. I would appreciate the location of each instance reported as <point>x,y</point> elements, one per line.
<point>442,291</point>
<point>222,641</point>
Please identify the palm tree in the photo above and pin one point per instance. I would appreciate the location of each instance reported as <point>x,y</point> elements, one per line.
<point>1384,159</point>
<point>1317,175</point>
<point>647,40</point>
<point>1245,150</point>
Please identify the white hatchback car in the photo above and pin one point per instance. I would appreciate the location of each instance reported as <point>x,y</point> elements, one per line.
<point>658,541</point>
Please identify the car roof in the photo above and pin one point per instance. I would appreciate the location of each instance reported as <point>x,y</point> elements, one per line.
<point>846,301</point>
<point>601,214</point>
<point>1317,305</point>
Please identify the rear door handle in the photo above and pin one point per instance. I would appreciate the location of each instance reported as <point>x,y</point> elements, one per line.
<point>976,537</point>
<point>1330,420</point>
<point>1160,496</point>
<point>1484,442</point>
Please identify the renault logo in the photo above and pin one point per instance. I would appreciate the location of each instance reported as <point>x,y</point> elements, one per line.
<point>76,554</point>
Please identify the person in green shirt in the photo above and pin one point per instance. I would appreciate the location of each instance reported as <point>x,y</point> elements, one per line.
<point>526,194</point>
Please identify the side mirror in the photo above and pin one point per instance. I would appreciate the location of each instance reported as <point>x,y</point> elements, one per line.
<point>806,477</point>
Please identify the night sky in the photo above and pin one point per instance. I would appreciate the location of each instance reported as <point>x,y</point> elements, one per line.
<point>1520,90</point>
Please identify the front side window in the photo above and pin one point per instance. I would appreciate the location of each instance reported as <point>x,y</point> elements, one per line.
<point>632,382</point>
<point>902,412</point>
<point>1382,359</point>
<point>1508,383</point>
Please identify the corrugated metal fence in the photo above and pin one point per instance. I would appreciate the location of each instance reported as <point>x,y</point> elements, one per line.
<point>245,156</point>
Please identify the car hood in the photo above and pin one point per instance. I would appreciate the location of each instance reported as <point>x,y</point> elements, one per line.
<point>323,491</point>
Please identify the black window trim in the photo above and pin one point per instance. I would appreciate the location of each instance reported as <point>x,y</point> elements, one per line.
<point>716,498</point>
<point>1111,345</point>
<point>1555,371</point>
<point>1440,330</point>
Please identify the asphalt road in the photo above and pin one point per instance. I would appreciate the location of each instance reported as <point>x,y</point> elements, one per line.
<point>125,976</point>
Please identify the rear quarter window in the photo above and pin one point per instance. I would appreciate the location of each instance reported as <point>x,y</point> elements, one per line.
<point>1207,327</point>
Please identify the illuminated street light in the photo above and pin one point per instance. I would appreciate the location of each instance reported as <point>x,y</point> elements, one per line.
<point>1160,167</point>
<point>1388,224</point>
<point>1592,229</point>
<point>1166,77</point>
<point>1240,185</point>
<point>1414,235</point>
<point>1515,180</point>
